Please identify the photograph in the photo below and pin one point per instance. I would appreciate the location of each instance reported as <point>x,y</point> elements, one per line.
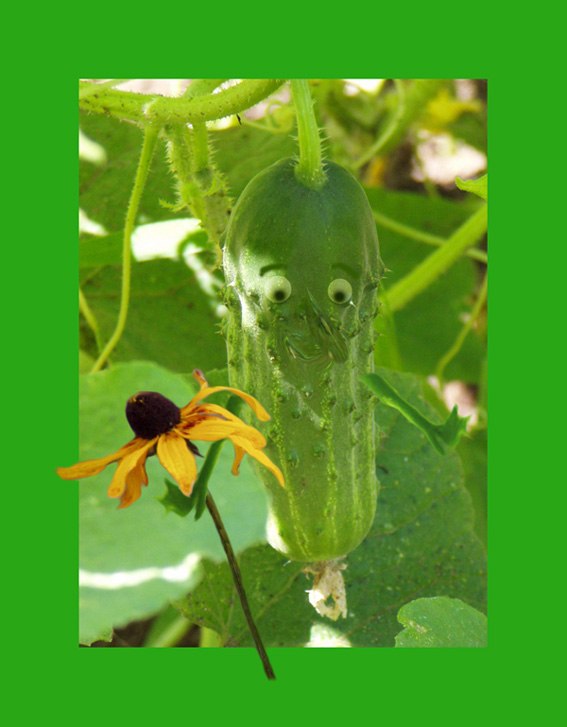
<point>282,425</point>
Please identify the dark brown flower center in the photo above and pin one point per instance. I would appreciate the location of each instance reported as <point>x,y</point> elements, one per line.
<point>151,414</point>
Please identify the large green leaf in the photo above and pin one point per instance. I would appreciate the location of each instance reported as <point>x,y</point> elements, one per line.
<point>133,561</point>
<point>171,320</point>
<point>472,129</point>
<point>105,190</point>
<point>421,544</point>
<point>441,622</point>
<point>473,451</point>
<point>242,152</point>
<point>428,326</point>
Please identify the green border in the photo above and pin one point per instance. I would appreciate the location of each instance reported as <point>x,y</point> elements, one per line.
<point>312,684</point>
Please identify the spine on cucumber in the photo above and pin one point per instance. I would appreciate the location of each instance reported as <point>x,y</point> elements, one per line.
<point>302,267</point>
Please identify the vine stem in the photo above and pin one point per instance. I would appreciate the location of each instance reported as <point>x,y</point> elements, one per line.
<point>438,262</point>
<point>309,169</point>
<point>239,585</point>
<point>89,90</point>
<point>160,110</point>
<point>201,86</point>
<point>150,139</point>
<point>421,236</point>
<point>463,333</point>
<point>89,317</point>
<point>389,131</point>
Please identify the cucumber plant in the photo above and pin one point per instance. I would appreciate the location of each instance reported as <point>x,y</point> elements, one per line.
<point>302,268</point>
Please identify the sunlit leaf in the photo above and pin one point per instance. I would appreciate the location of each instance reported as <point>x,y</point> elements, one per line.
<point>171,320</point>
<point>476,186</point>
<point>441,623</point>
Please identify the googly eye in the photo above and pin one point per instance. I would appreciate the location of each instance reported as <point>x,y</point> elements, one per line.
<point>277,289</point>
<point>340,291</point>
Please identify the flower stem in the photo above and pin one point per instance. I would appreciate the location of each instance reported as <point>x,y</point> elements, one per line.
<point>150,138</point>
<point>309,169</point>
<point>239,585</point>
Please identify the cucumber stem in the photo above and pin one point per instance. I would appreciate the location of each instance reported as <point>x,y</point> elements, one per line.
<point>309,169</point>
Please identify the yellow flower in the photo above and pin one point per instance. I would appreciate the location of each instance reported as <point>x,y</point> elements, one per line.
<point>161,427</point>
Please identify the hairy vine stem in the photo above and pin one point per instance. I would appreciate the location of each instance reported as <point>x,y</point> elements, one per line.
<point>200,86</point>
<point>159,110</point>
<point>309,169</point>
<point>150,139</point>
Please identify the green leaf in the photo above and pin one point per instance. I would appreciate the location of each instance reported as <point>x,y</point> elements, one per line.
<point>85,362</point>
<point>476,186</point>
<point>175,501</point>
<point>427,327</point>
<point>472,129</point>
<point>95,251</point>
<point>182,506</point>
<point>473,453</point>
<point>421,544</point>
<point>105,191</point>
<point>133,561</point>
<point>242,152</point>
<point>441,436</point>
<point>105,635</point>
<point>441,623</point>
<point>171,320</point>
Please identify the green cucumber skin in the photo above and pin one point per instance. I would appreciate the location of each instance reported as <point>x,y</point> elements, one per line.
<point>303,358</point>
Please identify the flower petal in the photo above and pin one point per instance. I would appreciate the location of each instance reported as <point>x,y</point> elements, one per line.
<point>131,463</point>
<point>258,455</point>
<point>212,429</point>
<point>134,481</point>
<point>206,390</point>
<point>95,466</point>
<point>199,376</point>
<point>175,456</point>
<point>238,455</point>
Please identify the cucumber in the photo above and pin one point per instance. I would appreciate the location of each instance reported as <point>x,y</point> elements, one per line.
<point>302,267</point>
